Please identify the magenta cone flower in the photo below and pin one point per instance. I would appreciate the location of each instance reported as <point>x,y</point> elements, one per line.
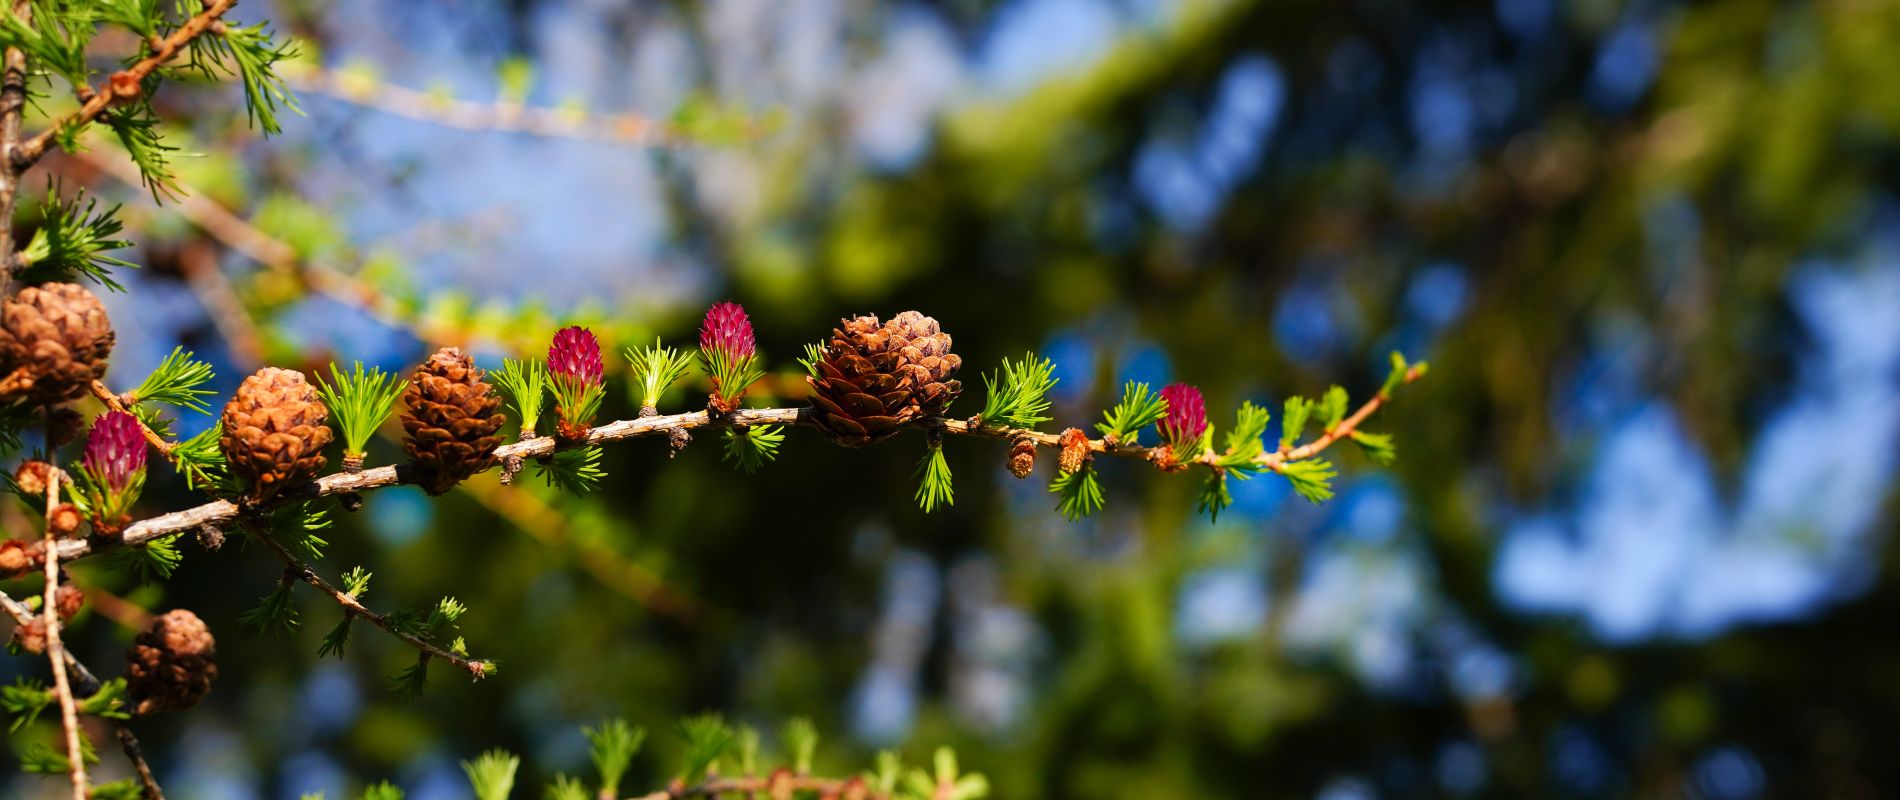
<point>575,356</point>
<point>574,373</point>
<point>726,343</point>
<point>727,331</point>
<point>115,450</point>
<point>1187,415</point>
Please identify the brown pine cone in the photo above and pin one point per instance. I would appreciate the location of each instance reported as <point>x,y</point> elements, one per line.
<point>54,340</point>
<point>874,379</point>
<point>274,432</point>
<point>1022,457</point>
<point>171,665</point>
<point>453,421</point>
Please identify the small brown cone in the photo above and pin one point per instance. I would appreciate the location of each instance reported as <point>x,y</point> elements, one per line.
<point>68,600</point>
<point>1075,451</point>
<point>274,432</point>
<point>453,421</point>
<point>1022,457</point>
<point>14,560</point>
<point>31,477</point>
<point>54,340</point>
<point>875,378</point>
<point>31,637</point>
<point>64,521</point>
<point>171,665</point>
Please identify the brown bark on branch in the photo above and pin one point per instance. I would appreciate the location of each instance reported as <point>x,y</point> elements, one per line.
<point>56,654</point>
<point>378,477</point>
<point>97,101</point>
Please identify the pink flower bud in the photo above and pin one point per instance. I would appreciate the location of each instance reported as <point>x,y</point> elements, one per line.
<point>727,331</point>
<point>1187,415</point>
<point>115,450</point>
<point>575,356</point>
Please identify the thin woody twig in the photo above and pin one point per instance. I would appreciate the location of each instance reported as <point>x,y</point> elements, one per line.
<point>502,116</point>
<point>477,668</point>
<point>105,395</point>
<point>121,85</point>
<point>56,655</point>
<point>130,744</point>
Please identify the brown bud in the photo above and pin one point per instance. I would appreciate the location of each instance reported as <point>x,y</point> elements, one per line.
<point>210,537</point>
<point>855,789</point>
<point>14,559</point>
<point>1022,456</point>
<point>1164,460</point>
<point>780,786</point>
<point>31,477</point>
<point>31,637</point>
<point>124,86</point>
<point>67,600</point>
<point>1075,451</point>
<point>63,425</point>
<point>64,521</point>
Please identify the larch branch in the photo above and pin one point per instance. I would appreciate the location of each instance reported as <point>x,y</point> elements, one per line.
<point>97,101</point>
<point>189,519</point>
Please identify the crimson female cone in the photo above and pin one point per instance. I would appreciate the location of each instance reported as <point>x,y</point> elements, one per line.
<point>874,378</point>
<point>453,421</point>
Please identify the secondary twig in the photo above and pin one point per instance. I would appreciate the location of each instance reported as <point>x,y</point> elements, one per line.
<point>55,649</point>
<point>500,116</point>
<point>98,100</point>
<point>130,744</point>
<point>105,395</point>
<point>477,668</point>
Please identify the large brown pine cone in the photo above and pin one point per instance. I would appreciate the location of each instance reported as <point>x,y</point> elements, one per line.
<point>452,421</point>
<point>274,431</point>
<point>875,378</point>
<point>54,340</point>
<point>171,665</point>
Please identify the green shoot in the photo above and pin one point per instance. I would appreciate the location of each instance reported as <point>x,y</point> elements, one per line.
<point>1018,395</point>
<point>360,401</point>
